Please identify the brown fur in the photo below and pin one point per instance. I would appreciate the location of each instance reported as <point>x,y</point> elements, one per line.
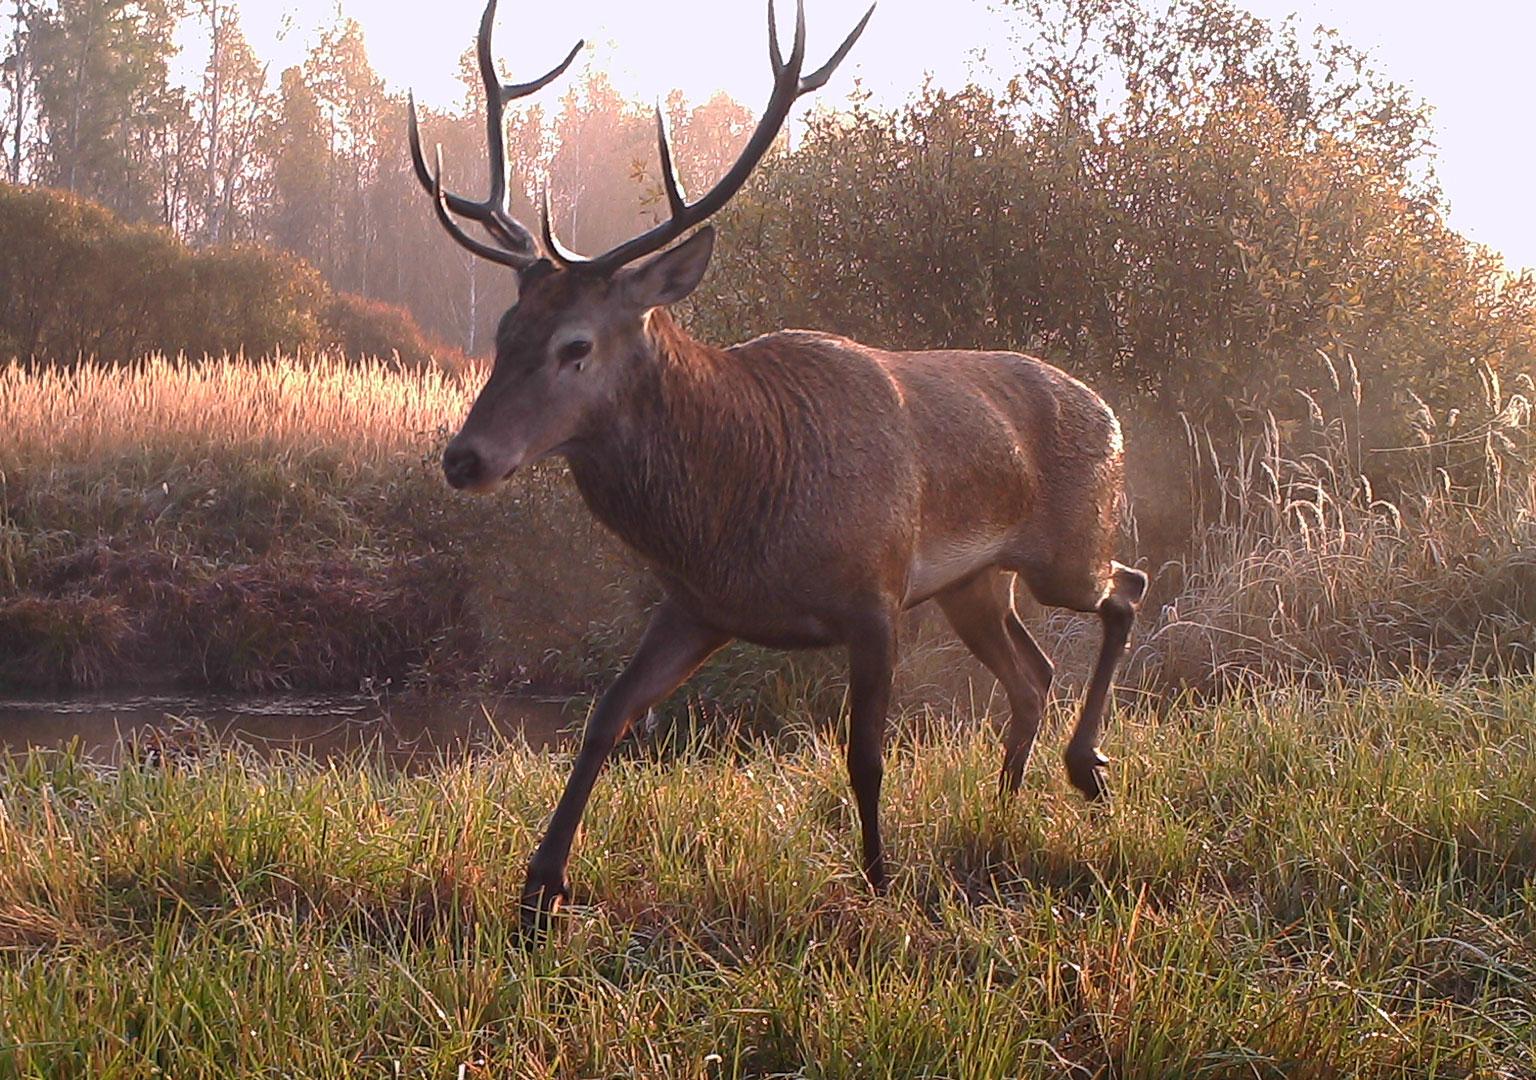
<point>799,490</point>
<point>771,482</point>
<point>796,490</point>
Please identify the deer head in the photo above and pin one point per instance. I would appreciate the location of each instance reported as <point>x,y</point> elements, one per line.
<point>573,343</point>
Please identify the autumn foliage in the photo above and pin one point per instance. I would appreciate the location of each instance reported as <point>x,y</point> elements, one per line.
<point>1182,208</point>
<point>77,282</point>
<point>1233,232</point>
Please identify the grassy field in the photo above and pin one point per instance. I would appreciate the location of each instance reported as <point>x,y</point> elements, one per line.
<point>1331,883</point>
<point>1317,865</point>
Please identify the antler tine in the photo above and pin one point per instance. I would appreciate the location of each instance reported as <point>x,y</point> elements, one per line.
<point>797,50</point>
<point>557,251</point>
<point>495,107</point>
<point>458,203</point>
<point>775,60</point>
<point>675,197</point>
<point>515,259</point>
<point>787,87</point>
<point>518,248</point>
<point>818,78</point>
<point>513,91</point>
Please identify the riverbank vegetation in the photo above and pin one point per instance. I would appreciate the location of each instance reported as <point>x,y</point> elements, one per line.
<point>1229,228</point>
<point>227,524</point>
<point>279,524</point>
<point>1289,884</point>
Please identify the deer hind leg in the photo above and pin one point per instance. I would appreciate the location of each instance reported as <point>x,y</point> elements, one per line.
<point>1117,611</point>
<point>871,663</point>
<point>981,611</point>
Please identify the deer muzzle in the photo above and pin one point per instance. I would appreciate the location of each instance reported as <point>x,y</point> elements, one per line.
<point>467,467</point>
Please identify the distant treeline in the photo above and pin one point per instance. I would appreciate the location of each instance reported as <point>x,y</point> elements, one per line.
<point>1186,205</point>
<point>313,160</point>
<point>76,282</point>
<point>1185,208</point>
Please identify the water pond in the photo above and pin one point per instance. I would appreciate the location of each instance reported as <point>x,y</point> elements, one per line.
<point>407,732</point>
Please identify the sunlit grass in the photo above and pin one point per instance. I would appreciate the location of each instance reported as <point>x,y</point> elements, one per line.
<point>1303,885</point>
<point>219,455</point>
<point>277,408</point>
<point>1337,881</point>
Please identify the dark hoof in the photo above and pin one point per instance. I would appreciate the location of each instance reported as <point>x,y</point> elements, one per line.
<point>1009,780</point>
<point>1011,777</point>
<point>874,873</point>
<point>1086,771</point>
<point>539,906</point>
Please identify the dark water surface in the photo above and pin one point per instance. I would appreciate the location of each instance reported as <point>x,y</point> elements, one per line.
<point>405,731</point>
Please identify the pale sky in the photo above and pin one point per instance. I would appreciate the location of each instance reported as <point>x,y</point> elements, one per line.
<point>1471,59</point>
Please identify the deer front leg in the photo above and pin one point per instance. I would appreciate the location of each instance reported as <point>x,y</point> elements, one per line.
<point>871,662</point>
<point>673,647</point>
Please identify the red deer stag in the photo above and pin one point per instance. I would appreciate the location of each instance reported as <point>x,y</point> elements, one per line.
<point>797,490</point>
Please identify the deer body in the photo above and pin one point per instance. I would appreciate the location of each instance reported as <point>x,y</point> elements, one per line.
<point>773,484</point>
<point>796,490</point>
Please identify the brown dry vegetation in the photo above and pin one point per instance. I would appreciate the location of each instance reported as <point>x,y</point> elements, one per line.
<point>283,524</point>
<point>278,524</point>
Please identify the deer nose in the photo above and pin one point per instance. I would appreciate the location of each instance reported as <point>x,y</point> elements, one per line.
<point>462,465</point>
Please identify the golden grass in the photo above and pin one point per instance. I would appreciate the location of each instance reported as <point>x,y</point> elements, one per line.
<point>1290,884</point>
<point>279,405</point>
<point>1302,566</point>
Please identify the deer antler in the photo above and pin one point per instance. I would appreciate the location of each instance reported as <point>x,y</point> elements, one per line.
<point>788,86</point>
<point>515,245</point>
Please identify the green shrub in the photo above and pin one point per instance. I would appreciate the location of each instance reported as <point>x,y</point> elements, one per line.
<point>1181,204</point>
<point>360,327</point>
<point>75,282</point>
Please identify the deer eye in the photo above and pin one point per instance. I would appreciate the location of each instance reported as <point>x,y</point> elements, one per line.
<point>573,352</point>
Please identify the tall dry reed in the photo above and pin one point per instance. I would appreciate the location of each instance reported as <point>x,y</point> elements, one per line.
<point>1313,555</point>
<point>93,413</point>
<point>1304,565</point>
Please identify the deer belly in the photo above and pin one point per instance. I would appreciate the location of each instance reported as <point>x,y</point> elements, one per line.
<point>777,620</point>
<point>947,562</point>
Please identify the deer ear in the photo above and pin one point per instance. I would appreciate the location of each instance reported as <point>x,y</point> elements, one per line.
<point>673,274</point>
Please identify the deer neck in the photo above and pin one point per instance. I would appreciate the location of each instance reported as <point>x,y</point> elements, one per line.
<point>684,459</point>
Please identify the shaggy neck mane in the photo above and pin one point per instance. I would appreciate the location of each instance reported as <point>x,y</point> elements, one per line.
<point>657,475</point>
<point>670,343</point>
<point>687,394</point>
